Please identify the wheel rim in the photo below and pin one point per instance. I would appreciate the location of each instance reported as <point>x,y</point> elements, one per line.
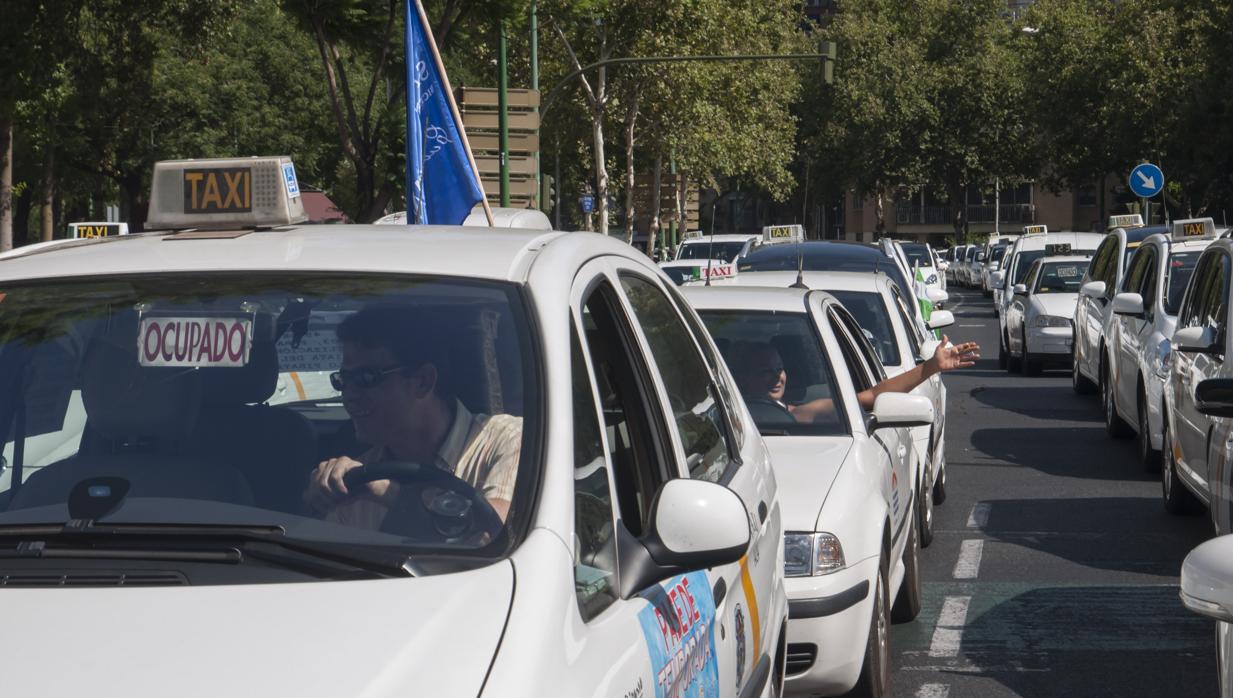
<point>1108,393</point>
<point>1166,468</point>
<point>883,636</point>
<point>927,498</point>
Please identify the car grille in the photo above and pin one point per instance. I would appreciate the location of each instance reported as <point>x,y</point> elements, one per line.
<point>143,578</point>
<point>801,656</point>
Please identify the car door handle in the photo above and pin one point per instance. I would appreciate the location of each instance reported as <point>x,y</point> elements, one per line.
<point>719,591</point>
<point>762,512</point>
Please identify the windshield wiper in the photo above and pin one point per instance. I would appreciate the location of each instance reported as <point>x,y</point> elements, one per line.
<point>389,564</point>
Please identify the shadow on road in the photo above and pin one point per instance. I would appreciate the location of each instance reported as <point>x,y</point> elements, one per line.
<point>1039,401</point>
<point>1093,641</point>
<point>1079,452</point>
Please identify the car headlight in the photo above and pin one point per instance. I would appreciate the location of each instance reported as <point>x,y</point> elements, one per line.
<point>1050,321</point>
<point>933,279</point>
<point>811,554</point>
<point>1164,350</point>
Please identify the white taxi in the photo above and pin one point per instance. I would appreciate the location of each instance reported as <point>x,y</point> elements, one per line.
<point>727,247</point>
<point>553,486</point>
<point>1038,321</point>
<point>713,258</point>
<point>1140,333</point>
<point>1093,312</point>
<point>1036,242</point>
<point>852,540</point>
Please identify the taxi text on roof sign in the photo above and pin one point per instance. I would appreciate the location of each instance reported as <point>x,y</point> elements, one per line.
<point>225,193</point>
<point>1126,220</point>
<point>783,233</point>
<point>97,230</point>
<point>1194,229</point>
<point>1035,229</point>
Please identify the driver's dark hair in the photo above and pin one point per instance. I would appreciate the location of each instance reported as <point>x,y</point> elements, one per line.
<point>408,334</point>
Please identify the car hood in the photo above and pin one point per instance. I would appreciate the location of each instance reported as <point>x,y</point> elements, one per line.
<point>805,467</point>
<point>429,636</point>
<point>1057,304</point>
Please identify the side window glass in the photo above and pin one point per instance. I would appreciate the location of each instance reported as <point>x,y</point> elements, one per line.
<point>913,339</point>
<point>635,448</point>
<point>726,390</point>
<point>1134,273</point>
<point>862,370</point>
<point>1109,273</point>
<point>1217,293</point>
<point>698,414</point>
<point>594,522</point>
<point>1097,271</point>
<point>1196,296</point>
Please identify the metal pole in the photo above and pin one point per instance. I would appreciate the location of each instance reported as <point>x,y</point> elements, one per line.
<point>542,199</point>
<point>503,113</point>
<point>556,205</point>
<point>997,204</point>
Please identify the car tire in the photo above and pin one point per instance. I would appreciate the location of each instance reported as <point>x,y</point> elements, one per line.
<point>1031,366</point>
<point>1148,456</point>
<point>939,486</point>
<point>907,601</point>
<point>1080,383</point>
<point>925,515</point>
<point>1012,362</point>
<point>1003,353</point>
<point>1115,426</point>
<point>874,679</point>
<point>1177,499</point>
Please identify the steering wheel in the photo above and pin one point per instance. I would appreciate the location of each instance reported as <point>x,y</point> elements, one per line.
<point>767,411</point>
<point>444,505</point>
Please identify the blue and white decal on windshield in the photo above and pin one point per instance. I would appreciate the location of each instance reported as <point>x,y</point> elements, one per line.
<point>678,627</point>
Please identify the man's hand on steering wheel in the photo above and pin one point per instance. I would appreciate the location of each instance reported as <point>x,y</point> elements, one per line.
<point>327,487</point>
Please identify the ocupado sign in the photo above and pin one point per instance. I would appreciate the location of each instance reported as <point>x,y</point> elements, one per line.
<point>194,341</point>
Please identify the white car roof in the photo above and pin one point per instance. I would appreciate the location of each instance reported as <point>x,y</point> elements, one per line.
<point>791,300</point>
<point>726,237</point>
<point>1081,240</point>
<point>1064,258</point>
<point>439,250</point>
<point>672,263</point>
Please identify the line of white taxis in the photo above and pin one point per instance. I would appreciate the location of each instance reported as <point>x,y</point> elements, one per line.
<point>585,505</point>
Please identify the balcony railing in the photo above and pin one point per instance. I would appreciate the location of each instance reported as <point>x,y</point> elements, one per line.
<point>909,214</point>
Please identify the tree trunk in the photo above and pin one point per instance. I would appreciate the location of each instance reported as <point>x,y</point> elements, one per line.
<point>879,212</point>
<point>135,201</point>
<point>6,184</point>
<point>958,207</point>
<point>656,198</point>
<point>682,191</point>
<point>47,218</point>
<point>601,169</point>
<point>631,122</point>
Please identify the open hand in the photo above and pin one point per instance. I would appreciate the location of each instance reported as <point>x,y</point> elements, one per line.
<point>948,357</point>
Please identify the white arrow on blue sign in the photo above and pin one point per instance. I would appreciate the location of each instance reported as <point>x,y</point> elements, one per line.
<point>1146,180</point>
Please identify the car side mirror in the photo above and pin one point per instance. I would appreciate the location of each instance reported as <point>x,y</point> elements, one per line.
<point>694,525</point>
<point>1019,289</point>
<point>940,318</point>
<point>1214,397</point>
<point>900,410</point>
<point>996,279</point>
<point>943,265</point>
<point>1128,304</point>
<point>1196,340</point>
<point>1207,579</point>
<point>937,295</point>
<point>1093,289</point>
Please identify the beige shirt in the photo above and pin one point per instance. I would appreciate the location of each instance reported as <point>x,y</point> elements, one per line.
<point>480,449</point>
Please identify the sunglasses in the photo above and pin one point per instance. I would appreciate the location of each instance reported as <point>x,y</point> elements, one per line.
<point>362,378</point>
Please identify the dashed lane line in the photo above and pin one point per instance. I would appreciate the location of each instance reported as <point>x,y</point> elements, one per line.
<point>933,690</point>
<point>948,635</point>
<point>968,565</point>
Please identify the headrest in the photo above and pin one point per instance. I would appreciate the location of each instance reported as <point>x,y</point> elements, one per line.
<point>249,384</point>
<point>124,400</point>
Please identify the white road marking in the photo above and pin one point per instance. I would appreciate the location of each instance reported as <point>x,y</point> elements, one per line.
<point>933,690</point>
<point>971,325</point>
<point>969,559</point>
<point>948,634</point>
<point>979,517</point>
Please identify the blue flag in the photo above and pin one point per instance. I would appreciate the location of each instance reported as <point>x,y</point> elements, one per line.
<point>442,187</point>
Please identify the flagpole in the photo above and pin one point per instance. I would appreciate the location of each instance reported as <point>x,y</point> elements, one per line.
<point>449,94</point>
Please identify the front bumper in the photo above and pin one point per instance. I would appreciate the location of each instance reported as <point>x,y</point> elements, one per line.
<point>1050,340</point>
<point>828,620</point>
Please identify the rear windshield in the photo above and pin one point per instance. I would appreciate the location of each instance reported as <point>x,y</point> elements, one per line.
<point>918,255</point>
<point>1061,277</point>
<point>1181,266</point>
<point>212,398</point>
<point>727,251</point>
<point>778,363</point>
<point>1023,262</point>
<point>996,254</point>
<point>871,314</point>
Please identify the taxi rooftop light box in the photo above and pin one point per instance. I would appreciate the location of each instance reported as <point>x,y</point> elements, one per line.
<point>225,193</point>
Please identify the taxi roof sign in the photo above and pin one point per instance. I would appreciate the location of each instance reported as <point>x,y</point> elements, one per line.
<point>692,235</point>
<point>1035,229</point>
<point>1193,229</point>
<point>772,234</point>
<point>1126,220</point>
<point>225,192</point>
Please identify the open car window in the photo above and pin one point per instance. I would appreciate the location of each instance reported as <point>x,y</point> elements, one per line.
<point>210,397</point>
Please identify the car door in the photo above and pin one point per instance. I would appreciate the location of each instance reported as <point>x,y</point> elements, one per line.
<point>648,641</point>
<point>1127,333</point>
<point>1016,311</point>
<point>932,388</point>
<point>702,435</point>
<point>1089,311</point>
<point>1204,307</point>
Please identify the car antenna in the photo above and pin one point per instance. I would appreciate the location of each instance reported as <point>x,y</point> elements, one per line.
<point>710,244</point>
<point>800,266</point>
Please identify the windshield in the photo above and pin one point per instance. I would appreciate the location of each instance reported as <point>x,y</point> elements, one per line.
<point>1023,262</point>
<point>211,398</point>
<point>825,256</point>
<point>918,255</point>
<point>727,251</point>
<point>1181,266</point>
<point>996,254</point>
<point>1061,277</point>
<point>871,314</point>
<point>778,364</point>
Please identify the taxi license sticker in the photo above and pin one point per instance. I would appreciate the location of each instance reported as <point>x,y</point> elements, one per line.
<point>194,341</point>
<point>678,627</point>
<point>289,180</point>
<point>738,630</point>
<point>1067,272</point>
<point>218,190</point>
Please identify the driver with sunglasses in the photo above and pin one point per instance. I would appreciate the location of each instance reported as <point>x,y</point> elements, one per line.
<point>395,386</point>
<point>760,375</point>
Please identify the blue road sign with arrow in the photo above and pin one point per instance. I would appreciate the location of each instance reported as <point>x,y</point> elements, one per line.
<point>1146,180</point>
